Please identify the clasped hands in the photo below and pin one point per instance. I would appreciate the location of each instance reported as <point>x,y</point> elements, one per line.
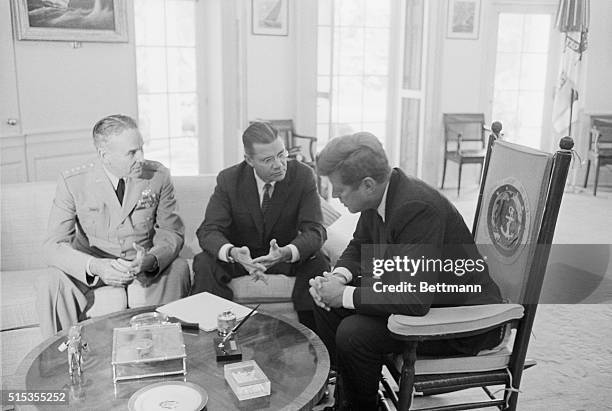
<point>256,267</point>
<point>327,290</point>
<point>120,272</point>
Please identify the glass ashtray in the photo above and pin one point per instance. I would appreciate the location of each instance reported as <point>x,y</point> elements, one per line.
<point>148,319</point>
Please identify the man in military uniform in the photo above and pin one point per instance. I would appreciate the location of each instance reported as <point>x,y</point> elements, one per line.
<point>113,222</point>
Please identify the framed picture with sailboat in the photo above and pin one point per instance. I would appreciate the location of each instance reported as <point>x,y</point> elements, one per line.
<point>270,17</point>
<point>70,20</point>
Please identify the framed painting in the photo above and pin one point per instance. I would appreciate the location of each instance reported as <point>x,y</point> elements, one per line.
<point>70,20</point>
<point>270,17</point>
<point>463,19</point>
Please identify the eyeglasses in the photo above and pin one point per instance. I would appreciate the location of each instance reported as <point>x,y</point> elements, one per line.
<point>271,161</point>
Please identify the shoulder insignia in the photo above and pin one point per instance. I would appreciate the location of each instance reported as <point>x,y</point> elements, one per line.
<point>78,169</point>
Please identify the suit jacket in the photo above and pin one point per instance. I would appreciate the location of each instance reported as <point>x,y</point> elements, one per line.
<point>234,215</point>
<point>419,222</point>
<point>88,220</point>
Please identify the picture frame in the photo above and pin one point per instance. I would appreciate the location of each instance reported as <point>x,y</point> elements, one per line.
<point>463,20</point>
<point>77,21</point>
<point>270,17</point>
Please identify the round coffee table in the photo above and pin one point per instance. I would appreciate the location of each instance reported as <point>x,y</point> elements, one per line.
<point>293,358</point>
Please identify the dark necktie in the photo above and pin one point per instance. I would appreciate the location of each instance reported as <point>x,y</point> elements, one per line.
<point>265,204</point>
<point>120,191</point>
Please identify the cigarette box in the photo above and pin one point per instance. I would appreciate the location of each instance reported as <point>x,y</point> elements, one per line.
<point>247,380</point>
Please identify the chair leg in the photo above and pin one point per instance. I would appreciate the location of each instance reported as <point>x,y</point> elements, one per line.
<point>443,172</point>
<point>406,386</point>
<point>596,165</point>
<point>459,182</point>
<point>586,178</point>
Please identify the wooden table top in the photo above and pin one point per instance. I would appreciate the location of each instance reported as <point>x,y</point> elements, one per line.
<point>293,358</point>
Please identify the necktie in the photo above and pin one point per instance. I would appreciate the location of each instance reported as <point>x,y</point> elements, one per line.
<point>120,191</point>
<point>266,197</point>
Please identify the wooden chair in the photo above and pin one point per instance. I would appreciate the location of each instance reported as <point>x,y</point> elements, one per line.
<point>532,183</point>
<point>300,147</point>
<point>600,146</point>
<point>461,128</point>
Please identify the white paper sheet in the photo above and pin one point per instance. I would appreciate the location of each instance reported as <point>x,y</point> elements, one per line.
<point>203,308</point>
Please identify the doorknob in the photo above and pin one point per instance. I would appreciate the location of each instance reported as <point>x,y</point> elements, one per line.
<point>11,121</point>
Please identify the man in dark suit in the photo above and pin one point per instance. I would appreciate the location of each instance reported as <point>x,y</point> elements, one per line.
<point>264,216</point>
<point>401,217</point>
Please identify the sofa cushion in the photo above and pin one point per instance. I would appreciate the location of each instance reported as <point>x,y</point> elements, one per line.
<point>192,194</point>
<point>19,298</point>
<point>18,304</point>
<point>277,290</point>
<point>25,214</point>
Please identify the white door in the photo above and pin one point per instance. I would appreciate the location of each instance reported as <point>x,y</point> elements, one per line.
<point>523,72</point>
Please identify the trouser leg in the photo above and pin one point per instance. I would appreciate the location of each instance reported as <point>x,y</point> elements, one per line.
<point>361,343</point>
<point>61,301</point>
<point>213,276</point>
<point>170,285</point>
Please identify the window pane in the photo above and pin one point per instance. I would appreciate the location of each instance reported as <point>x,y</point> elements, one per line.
<point>378,129</point>
<point>350,46</point>
<point>181,69</point>
<point>151,69</point>
<point>322,135</point>
<point>184,157</point>
<point>533,71</point>
<point>377,13</point>
<point>376,53</point>
<point>505,109</point>
<point>322,110</point>
<point>181,29</point>
<point>413,44</point>
<point>183,114</point>
<point>531,104</point>
<point>149,22</point>
<point>375,98</point>
<point>409,146</point>
<point>350,12</point>
<point>325,12</point>
<point>537,33</point>
<point>348,96</point>
<point>158,150</point>
<point>324,50</point>
<point>153,115</point>
<point>323,84</point>
<point>510,33</point>
<point>507,71</point>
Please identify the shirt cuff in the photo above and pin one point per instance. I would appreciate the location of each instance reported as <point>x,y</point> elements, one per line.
<point>295,253</point>
<point>223,252</point>
<point>347,297</point>
<point>344,273</point>
<point>91,278</point>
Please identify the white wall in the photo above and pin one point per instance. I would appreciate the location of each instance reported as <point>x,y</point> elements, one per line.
<point>271,72</point>
<point>598,92</point>
<point>62,91</point>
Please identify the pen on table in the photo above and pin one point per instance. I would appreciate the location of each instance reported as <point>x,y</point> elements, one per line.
<point>233,331</point>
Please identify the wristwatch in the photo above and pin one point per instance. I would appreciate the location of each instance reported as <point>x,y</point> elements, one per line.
<point>228,256</point>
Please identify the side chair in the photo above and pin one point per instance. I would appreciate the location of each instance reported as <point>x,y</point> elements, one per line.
<point>524,186</point>
<point>600,146</point>
<point>464,141</point>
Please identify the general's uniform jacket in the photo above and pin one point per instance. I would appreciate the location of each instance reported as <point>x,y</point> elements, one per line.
<point>88,220</point>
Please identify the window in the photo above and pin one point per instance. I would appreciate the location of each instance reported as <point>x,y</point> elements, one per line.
<point>353,67</point>
<point>167,86</point>
<point>520,75</point>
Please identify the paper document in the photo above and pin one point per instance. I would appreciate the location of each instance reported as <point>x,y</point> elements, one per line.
<point>203,308</point>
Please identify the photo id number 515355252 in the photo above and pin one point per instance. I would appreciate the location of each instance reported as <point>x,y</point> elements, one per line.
<point>34,397</point>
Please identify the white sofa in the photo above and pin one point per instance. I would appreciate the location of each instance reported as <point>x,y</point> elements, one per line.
<point>25,211</point>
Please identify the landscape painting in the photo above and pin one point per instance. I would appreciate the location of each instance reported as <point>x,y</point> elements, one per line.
<point>70,20</point>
